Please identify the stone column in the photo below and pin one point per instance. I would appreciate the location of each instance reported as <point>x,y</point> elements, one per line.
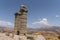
<point>17,23</point>
<point>21,21</point>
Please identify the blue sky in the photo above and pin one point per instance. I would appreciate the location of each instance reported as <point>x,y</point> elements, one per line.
<point>47,11</point>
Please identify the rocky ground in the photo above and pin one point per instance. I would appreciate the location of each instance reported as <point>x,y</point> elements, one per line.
<point>3,36</point>
<point>16,37</point>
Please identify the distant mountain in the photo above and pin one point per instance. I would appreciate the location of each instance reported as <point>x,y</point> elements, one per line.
<point>5,29</point>
<point>55,29</point>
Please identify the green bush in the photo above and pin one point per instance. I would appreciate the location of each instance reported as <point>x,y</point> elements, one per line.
<point>30,38</point>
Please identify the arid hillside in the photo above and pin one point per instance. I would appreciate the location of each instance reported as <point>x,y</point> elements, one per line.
<point>55,29</point>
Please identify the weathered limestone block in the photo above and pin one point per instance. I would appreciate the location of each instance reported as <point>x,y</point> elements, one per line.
<point>23,37</point>
<point>16,37</point>
<point>39,37</point>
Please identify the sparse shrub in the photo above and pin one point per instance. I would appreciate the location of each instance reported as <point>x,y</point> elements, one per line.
<point>7,34</point>
<point>31,38</point>
<point>58,37</point>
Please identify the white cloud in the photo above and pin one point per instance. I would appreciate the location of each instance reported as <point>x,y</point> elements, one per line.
<point>6,24</point>
<point>43,21</point>
<point>57,16</point>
